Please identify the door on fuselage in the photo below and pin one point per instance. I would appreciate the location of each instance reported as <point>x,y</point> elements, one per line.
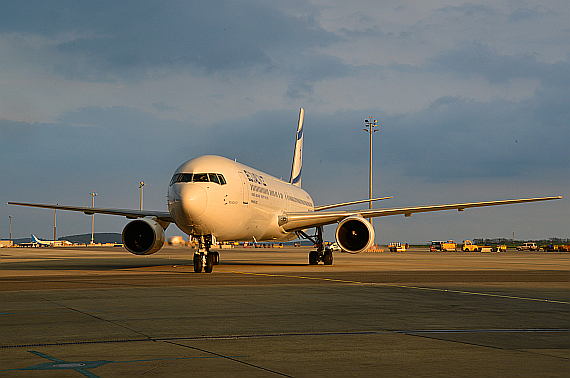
<point>244,189</point>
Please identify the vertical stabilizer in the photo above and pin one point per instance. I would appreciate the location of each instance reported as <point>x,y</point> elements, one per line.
<point>298,155</point>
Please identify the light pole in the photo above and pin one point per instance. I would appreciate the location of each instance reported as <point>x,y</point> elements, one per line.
<point>9,216</point>
<point>142,183</point>
<point>94,194</point>
<point>370,128</point>
<point>55,224</point>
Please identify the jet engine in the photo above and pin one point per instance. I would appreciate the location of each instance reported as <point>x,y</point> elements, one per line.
<point>143,236</point>
<point>354,234</point>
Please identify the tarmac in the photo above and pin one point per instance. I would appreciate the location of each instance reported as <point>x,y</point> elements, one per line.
<point>103,312</point>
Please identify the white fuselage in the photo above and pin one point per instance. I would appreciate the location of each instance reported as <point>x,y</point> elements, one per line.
<point>244,204</point>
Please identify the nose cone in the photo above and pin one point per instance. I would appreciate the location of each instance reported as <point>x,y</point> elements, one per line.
<point>187,200</point>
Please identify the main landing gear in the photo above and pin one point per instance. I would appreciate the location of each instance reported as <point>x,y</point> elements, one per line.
<point>203,258</point>
<point>326,256</point>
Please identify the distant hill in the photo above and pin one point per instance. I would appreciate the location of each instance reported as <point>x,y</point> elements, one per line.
<point>99,237</point>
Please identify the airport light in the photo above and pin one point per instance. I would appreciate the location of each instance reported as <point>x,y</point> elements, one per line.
<point>142,183</point>
<point>9,216</point>
<point>370,128</point>
<point>94,194</point>
<point>55,224</point>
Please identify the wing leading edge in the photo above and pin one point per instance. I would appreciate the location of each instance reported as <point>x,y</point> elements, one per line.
<point>162,216</point>
<point>295,221</point>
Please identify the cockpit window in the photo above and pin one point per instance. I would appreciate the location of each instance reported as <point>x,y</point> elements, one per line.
<point>213,178</point>
<point>198,177</point>
<point>185,177</point>
<point>174,178</point>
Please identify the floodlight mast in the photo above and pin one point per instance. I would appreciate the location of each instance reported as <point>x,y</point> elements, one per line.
<point>94,194</point>
<point>55,224</point>
<point>370,128</point>
<point>141,184</point>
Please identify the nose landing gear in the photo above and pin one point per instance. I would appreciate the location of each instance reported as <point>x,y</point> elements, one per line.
<point>203,258</point>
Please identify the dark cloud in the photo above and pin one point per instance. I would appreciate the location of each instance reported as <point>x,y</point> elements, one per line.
<point>468,9</point>
<point>14,131</point>
<point>473,58</point>
<point>162,107</point>
<point>106,40</point>
<point>525,14</point>
<point>314,68</point>
<point>456,138</point>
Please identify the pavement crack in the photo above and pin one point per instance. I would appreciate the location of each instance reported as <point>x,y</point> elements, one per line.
<point>95,317</point>
<point>230,358</point>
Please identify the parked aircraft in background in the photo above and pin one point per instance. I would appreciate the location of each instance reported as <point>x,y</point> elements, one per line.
<point>215,198</point>
<point>36,242</point>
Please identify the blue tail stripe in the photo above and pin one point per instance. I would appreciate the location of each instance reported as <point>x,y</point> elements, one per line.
<point>298,178</point>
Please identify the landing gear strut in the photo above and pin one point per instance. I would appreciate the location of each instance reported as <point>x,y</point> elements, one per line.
<point>320,254</point>
<point>203,258</point>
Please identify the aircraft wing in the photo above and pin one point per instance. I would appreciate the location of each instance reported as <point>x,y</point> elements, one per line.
<point>327,207</point>
<point>295,221</point>
<point>131,214</point>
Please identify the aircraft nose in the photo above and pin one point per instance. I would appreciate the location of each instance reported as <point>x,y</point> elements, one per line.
<point>188,199</point>
<point>194,199</point>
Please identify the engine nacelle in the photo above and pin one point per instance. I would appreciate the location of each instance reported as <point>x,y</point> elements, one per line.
<point>354,234</point>
<point>143,236</point>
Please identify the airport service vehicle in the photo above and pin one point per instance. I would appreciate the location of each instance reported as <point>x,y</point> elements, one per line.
<point>212,198</point>
<point>443,246</point>
<point>333,247</point>
<point>468,246</point>
<point>555,248</point>
<point>493,248</point>
<point>397,247</point>
<point>527,247</point>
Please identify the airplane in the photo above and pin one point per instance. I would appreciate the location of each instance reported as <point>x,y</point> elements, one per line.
<point>215,198</point>
<point>36,242</point>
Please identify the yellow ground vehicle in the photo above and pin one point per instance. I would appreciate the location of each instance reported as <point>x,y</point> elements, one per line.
<point>468,246</point>
<point>397,247</point>
<point>444,246</point>
<point>555,248</point>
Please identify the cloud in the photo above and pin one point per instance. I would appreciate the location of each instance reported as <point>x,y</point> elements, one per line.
<point>314,68</point>
<point>473,58</point>
<point>105,41</point>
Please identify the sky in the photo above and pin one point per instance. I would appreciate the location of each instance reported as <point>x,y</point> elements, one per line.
<point>472,101</point>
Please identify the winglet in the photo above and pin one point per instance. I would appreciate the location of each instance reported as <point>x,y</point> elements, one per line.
<point>298,155</point>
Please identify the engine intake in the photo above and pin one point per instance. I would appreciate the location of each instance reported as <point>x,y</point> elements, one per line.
<point>354,234</point>
<point>143,236</point>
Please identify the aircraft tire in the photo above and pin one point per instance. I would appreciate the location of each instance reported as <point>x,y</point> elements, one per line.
<point>210,258</point>
<point>328,258</point>
<point>313,258</point>
<point>216,258</point>
<point>197,263</point>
